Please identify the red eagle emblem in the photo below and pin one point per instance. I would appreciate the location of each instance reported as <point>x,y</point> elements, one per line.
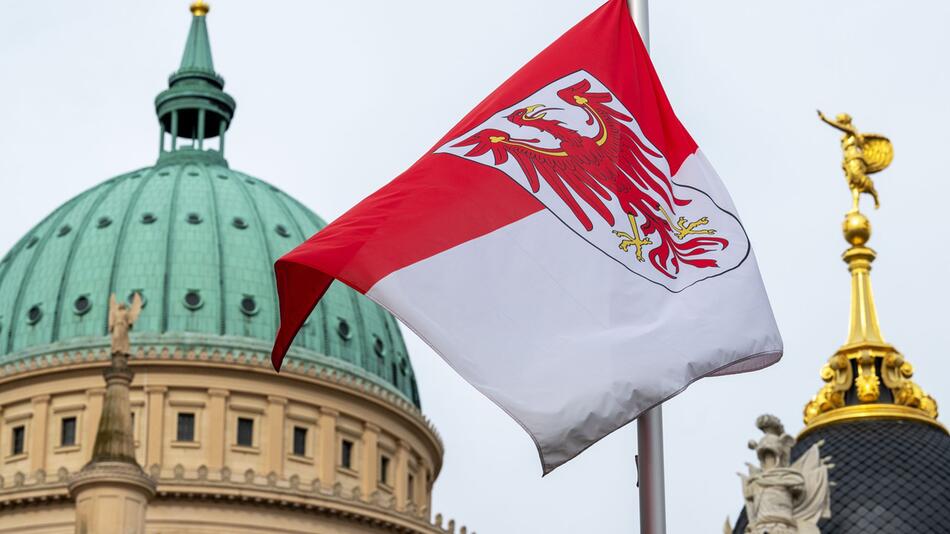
<point>601,167</point>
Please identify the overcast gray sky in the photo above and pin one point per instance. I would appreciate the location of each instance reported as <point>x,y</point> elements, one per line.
<point>336,98</point>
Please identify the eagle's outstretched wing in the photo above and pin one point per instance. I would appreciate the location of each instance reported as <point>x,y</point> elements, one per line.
<point>878,152</point>
<point>563,172</point>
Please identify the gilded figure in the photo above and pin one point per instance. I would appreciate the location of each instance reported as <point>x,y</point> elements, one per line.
<point>864,154</point>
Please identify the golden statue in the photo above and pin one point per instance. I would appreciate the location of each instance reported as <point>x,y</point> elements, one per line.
<point>864,154</point>
<point>122,318</point>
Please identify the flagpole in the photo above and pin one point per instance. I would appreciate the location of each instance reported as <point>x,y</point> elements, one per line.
<point>650,423</point>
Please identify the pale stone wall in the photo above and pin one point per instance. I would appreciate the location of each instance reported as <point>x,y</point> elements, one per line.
<point>213,468</point>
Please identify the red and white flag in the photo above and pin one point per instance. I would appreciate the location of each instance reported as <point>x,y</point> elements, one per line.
<point>566,247</point>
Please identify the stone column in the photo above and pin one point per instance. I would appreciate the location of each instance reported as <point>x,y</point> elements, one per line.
<point>112,491</point>
<point>94,402</point>
<point>369,474</point>
<point>401,484</point>
<point>39,431</point>
<point>328,446</point>
<point>217,426</point>
<point>275,435</point>
<point>156,424</point>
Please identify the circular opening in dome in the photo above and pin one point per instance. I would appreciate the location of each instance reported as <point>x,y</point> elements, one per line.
<point>192,173</point>
<point>343,329</point>
<point>274,189</point>
<point>64,229</point>
<point>239,223</point>
<point>34,314</point>
<point>134,176</point>
<point>249,181</point>
<point>148,218</point>
<point>222,176</point>
<point>33,240</point>
<point>131,297</point>
<point>103,222</point>
<point>193,218</point>
<point>282,230</point>
<point>379,347</point>
<point>403,366</point>
<point>163,173</point>
<point>249,305</point>
<point>193,300</point>
<point>82,305</point>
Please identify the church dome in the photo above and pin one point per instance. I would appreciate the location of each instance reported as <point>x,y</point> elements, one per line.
<point>214,438</point>
<point>198,240</point>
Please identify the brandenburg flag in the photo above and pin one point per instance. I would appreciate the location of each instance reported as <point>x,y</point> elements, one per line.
<point>566,247</point>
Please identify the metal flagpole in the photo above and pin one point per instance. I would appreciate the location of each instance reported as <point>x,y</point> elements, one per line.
<point>650,424</point>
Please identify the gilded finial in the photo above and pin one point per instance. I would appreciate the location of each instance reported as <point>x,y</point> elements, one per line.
<point>199,8</point>
<point>858,372</point>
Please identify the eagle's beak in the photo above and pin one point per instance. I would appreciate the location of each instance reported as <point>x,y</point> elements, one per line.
<point>535,112</point>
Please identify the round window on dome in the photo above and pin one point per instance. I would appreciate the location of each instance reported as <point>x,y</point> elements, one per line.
<point>64,229</point>
<point>379,347</point>
<point>33,241</point>
<point>103,222</point>
<point>249,181</point>
<point>343,329</point>
<point>222,176</point>
<point>282,230</point>
<point>148,218</point>
<point>192,173</point>
<point>34,314</point>
<point>239,223</point>
<point>82,305</point>
<point>249,305</point>
<point>193,300</point>
<point>193,218</point>
<point>403,366</point>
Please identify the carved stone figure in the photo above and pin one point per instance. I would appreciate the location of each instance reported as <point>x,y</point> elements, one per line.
<point>783,497</point>
<point>864,154</point>
<point>121,319</point>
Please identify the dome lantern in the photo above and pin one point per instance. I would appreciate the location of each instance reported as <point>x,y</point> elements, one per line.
<point>194,112</point>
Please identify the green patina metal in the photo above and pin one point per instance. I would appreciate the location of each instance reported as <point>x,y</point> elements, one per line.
<point>198,240</point>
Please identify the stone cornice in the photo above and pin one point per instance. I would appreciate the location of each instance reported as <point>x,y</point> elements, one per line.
<point>226,486</point>
<point>251,487</point>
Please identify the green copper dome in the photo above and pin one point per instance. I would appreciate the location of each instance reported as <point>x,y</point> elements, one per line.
<point>198,241</point>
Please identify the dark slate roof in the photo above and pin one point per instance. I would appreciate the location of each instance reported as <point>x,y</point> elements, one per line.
<point>891,477</point>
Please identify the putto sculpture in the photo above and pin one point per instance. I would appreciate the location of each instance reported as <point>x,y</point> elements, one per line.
<point>784,497</point>
<point>121,319</point>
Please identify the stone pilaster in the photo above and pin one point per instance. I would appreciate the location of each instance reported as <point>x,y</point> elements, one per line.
<point>369,474</point>
<point>40,431</point>
<point>276,406</point>
<point>328,446</point>
<point>217,426</point>
<point>401,484</point>
<point>156,424</point>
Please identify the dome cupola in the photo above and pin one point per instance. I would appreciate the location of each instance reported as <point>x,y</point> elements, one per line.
<point>194,112</point>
